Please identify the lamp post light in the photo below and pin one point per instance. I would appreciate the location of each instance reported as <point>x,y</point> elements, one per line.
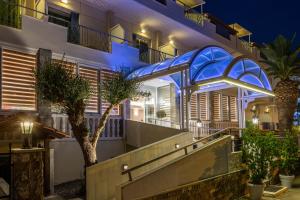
<point>199,123</point>
<point>26,128</point>
<point>255,120</point>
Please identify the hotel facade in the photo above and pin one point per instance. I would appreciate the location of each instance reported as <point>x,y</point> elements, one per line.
<point>203,75</point>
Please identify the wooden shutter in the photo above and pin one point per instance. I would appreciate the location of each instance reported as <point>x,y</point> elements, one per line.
<point>216,97</point>
<point>203,106</point>
<point>68,65</point>
<point>18,81</point>
<point>104,75</point>
<point>194,107</point>
<point>225,108</point>
<point>233,109</point>
<point>164,100</point>
<point>92,76</point>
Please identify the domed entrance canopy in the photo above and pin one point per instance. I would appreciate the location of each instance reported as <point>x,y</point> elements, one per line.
<point>209,66</point>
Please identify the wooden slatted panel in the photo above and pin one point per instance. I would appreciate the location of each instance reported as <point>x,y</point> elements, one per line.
<point>104,75</point>
<point>216,97</point>
<point>164,100</point>
<point>92,76</point>
<point>18,81</point>
<point>68,65</point>
<point>233,109</point>
<point>194,107</point>
<point>203,106</point>
<point>225,108</point>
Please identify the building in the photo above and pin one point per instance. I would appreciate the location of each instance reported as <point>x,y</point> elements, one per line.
<point>203,76</point>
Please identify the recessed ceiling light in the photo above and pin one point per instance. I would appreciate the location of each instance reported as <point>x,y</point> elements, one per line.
<point>143,31</point>
<point>65,1</point>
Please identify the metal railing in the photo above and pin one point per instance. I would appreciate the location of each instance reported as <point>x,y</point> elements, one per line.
<point>185,149</point>
<point>193,14</point>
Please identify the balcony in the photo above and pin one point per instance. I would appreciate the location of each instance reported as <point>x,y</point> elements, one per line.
<point>78,34</point>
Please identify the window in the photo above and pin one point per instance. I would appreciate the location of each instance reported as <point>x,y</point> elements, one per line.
<point>18,81</point>
<point>92,76</point>
<point>104,75</point>
<point>142,44</point>
<point>59,17</point>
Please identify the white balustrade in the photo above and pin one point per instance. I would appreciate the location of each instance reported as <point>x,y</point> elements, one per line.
<point>114,128</point>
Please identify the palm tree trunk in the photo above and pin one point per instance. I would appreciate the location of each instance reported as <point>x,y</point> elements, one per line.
<point>286,96</point>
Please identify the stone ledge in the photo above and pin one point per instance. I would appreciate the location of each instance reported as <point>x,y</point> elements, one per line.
<point>20,150</point>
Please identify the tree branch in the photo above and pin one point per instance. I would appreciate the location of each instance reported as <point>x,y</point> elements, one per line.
<point>101,126</point>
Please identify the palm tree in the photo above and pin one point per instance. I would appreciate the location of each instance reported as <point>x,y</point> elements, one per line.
<point>283,64</point>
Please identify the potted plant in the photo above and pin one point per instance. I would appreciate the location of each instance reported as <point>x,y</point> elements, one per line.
<point>258,155</point>
<point>288,158</point>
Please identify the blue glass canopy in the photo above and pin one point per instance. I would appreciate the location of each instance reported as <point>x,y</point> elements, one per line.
<point>206,64</point>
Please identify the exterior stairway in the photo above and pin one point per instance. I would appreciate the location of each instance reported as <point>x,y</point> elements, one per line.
<point>160,166</point>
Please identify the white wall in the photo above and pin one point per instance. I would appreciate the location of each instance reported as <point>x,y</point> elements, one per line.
<point>41,34</point>
<point>68,158</point>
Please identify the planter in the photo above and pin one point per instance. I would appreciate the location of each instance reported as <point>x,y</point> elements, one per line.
<point>256,191</point>
<point>286,181</point>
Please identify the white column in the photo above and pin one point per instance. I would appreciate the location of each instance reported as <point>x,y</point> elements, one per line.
<point>181,101</point>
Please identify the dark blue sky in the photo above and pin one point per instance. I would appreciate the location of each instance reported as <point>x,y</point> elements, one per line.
<point>264,18</point>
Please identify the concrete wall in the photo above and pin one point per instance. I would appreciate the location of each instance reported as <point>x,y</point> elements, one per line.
<point>68,158</point>
<point>205,162</point>
<point>140,134</point>
<point>103,178</point>
<point>208,189</point>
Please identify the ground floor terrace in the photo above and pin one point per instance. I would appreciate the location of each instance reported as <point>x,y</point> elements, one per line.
<point>203,91</point>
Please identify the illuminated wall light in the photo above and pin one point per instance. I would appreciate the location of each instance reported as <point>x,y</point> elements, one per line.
<point>65,1</point>
<point>125,167</point>
<point>177,146</point>
<point>135,112</point>
<point>143,31</point>
<point>255,120</point>
<point>171,42</point>
<point>267,109</point>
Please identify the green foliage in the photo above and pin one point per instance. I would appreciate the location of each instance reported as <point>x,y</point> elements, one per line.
<point>118,88</point>
<point>259,150</point>
<point>61,87</point>
<point>283,60</point>
<point>288,154</point>
<point>10,13</point>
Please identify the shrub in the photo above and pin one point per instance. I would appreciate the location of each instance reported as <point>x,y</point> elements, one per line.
<point>259,150</point>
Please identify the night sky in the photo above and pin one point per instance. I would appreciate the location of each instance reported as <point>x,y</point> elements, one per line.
<point>264,18</point>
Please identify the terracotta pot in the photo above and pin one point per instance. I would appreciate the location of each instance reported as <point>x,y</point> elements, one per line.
<point>256,191</point>
<point>286,181</point>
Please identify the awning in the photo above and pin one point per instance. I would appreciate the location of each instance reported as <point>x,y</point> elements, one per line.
<point>241,31</point>
<point>209,65</point>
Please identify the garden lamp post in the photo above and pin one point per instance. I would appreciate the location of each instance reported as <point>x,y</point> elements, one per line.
<point>199,123</point>
<point>26,128</point>
<point>255,120</point>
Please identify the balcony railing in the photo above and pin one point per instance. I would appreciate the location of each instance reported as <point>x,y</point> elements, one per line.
<point>192,14</point>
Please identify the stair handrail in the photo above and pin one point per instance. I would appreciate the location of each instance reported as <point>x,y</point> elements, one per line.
<point>129,170</point>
